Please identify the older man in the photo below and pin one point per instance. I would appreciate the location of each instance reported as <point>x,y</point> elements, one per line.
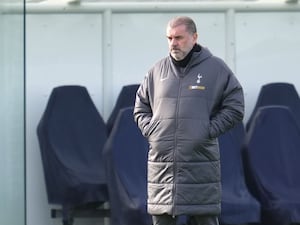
<point>185,102</point>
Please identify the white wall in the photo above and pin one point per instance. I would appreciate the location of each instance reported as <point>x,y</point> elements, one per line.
<point>268,50</point>
<point>103,55</point>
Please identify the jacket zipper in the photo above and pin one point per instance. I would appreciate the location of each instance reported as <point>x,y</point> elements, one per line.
<point>175,150</point>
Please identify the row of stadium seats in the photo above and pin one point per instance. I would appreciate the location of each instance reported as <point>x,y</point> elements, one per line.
<point>88,162</point>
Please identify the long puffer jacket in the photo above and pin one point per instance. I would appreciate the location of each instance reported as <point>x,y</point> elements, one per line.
<point>182,112</point>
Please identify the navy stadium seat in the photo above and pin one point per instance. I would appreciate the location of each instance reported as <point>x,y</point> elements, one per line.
<point>238,204</point>
<point>272,156</point>
<point>126,98</point>
<point>126,161</point>
<point>71,135</point>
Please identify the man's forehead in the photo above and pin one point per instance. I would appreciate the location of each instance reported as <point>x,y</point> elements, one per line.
<point>176,30</point>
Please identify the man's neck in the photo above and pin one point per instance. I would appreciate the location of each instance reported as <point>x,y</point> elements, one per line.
<point>185,61</point>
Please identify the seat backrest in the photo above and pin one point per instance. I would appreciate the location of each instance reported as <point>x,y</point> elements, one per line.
<point>71,134</point>
<point>272,154</point>
<point>126,98</point>
<point>277,94</point>
<point>231,144</point>
<point>126,158</point>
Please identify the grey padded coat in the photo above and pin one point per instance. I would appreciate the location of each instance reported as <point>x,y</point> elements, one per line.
<point>182,111</point>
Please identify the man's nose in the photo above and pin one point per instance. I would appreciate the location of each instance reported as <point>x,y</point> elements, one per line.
<point>173,42</point>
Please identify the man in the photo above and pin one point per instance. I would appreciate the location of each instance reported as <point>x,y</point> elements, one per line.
<point>184,103</point>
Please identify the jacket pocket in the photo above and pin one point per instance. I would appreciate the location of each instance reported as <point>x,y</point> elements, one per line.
<point>152,126</point>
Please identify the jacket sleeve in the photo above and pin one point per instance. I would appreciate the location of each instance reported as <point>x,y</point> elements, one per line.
<point>142,110</point>
<point>230,110</point>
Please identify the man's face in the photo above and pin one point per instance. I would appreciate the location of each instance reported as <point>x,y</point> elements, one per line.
<point>180,41</point>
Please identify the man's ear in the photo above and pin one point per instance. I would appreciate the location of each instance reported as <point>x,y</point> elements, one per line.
<point>195,37</point>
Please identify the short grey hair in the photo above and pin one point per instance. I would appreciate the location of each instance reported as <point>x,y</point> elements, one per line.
<point>183,20</point>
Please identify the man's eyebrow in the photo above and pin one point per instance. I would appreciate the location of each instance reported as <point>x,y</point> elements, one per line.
<point>177,36</point>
